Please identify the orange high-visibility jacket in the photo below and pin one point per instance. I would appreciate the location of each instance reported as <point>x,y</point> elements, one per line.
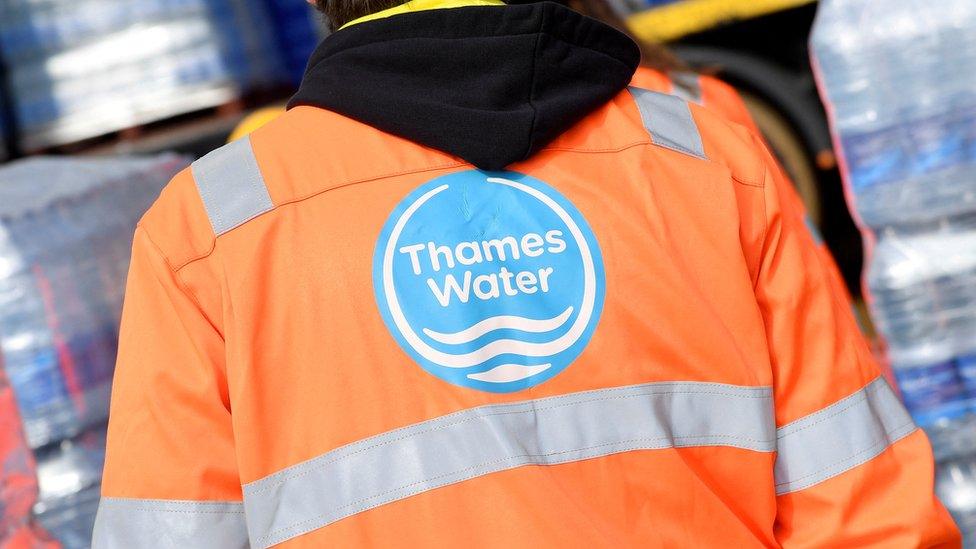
<point>334,336</point>
<point>722,99</point>
<point>701,89</point>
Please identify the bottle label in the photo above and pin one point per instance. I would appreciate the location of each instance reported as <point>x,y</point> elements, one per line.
<point>937,142</point>
<point>933,392</point>
<point>874,157</point>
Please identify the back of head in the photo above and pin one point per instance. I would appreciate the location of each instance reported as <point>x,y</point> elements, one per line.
<point>654,56</point>
<point>340,12</point>
<point>490,83</point>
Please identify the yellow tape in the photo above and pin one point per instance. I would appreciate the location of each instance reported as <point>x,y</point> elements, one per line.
<point>675,20</point>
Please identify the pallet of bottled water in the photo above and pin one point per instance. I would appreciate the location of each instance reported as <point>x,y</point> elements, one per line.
<point>898,78</point>
<point>66,228</point>
<point>82,68</point>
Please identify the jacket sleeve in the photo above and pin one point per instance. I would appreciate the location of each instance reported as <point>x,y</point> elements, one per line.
<point>725,100</point>
<point>852,470</point>
<point>170,475</point>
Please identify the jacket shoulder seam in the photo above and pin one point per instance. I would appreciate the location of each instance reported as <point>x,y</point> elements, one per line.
<point>762,243</point>
<point>177,276</point>
<point>741,181</point>
<point>213,240</point>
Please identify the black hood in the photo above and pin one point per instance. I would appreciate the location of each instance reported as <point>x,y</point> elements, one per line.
<point>489,84</point>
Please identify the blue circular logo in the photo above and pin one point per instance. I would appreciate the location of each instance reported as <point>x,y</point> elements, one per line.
<point>492,281</point>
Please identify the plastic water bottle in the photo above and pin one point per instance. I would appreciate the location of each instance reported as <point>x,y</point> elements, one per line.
<point>897,76</point>
<point>955,485</point>
<point>65,236</point>
<point>69,476</point>
<point>81,68</point>
<point>923,297</point>
<point>923,286</point>
<point>937,398</point>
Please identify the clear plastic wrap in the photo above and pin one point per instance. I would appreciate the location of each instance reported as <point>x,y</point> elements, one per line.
<point>18,479</point>
<point>65,232</point>
<point>82,68</point>
<point>66,226</point>
<point>69,476</point>
<point>898,78</point>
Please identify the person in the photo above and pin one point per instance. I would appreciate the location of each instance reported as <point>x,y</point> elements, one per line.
<point>473,289</point>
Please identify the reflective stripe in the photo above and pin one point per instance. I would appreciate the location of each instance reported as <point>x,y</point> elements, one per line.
<point>231,185</point>
<point>840,437</point>
<point>472,443</point>
<point>668,119</point>
<point>687,86</point>
<point>132,523</point>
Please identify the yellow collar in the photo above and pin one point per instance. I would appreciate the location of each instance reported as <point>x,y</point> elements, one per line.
<point>421,5</point>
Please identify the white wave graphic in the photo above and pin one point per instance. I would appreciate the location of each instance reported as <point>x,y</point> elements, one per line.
<point>507,373</point>
<point>498,323</point>
<point>501,346</point>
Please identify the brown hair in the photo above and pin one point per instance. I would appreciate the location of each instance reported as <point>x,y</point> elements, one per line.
<point>340,12</point>
<point>653,55</point>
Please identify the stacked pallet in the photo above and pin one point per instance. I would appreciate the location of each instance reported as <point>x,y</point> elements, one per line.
<point>66,227</point>
<point>82,68</point>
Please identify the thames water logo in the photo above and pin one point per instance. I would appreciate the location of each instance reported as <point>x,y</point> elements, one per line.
<point>492,281</point>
